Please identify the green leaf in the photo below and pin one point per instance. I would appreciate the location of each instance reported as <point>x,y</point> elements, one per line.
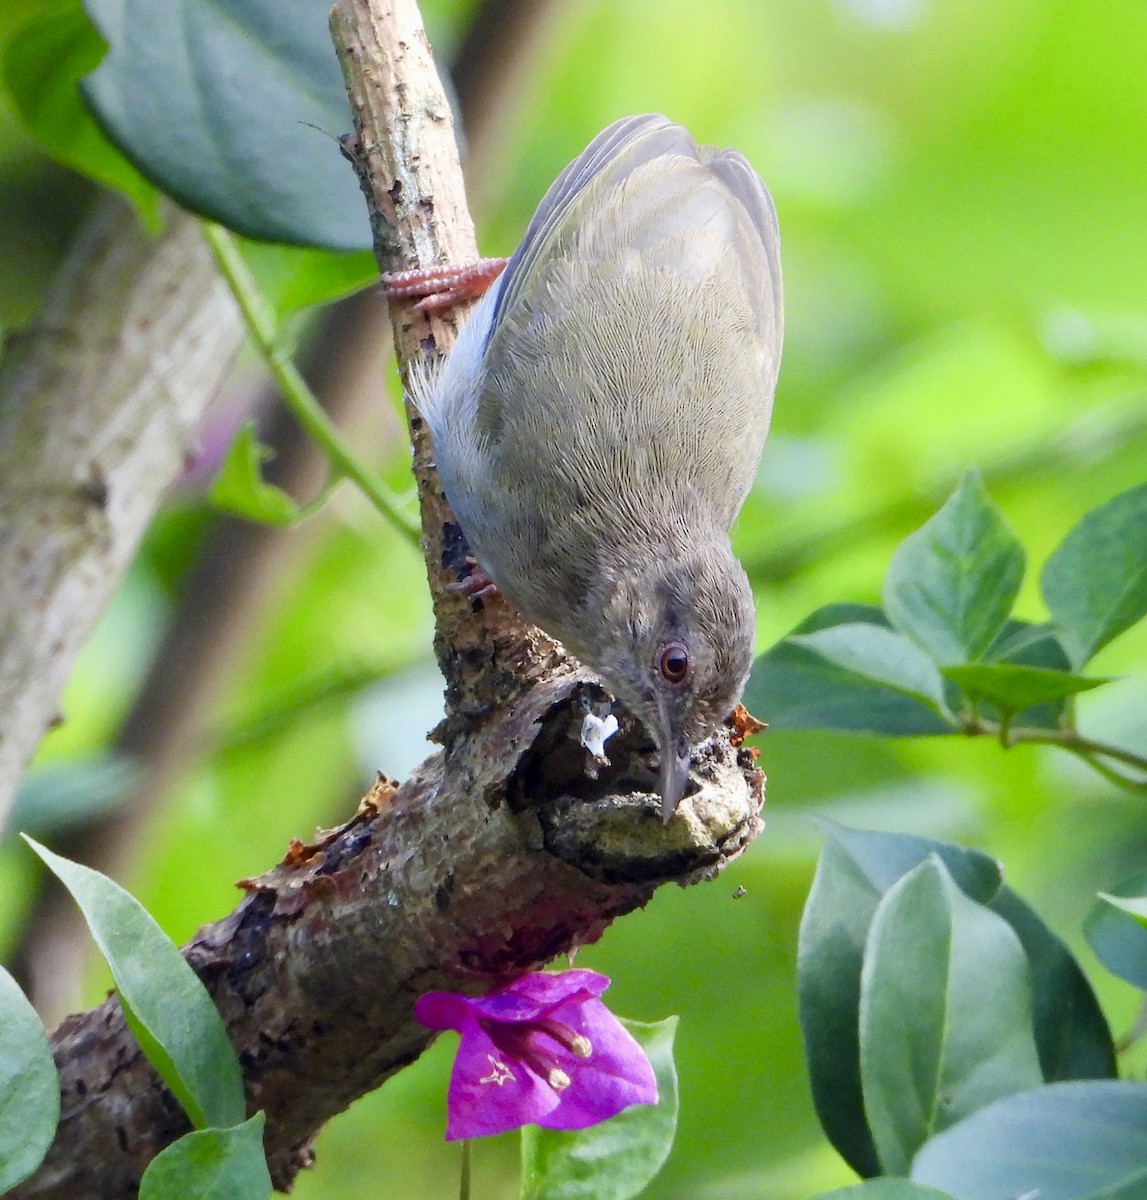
<point>1028,644</point>
<point>29,1087</point>
<point>616,1159</point>
<point>793,687</point>
<point>1066,1141</point>
<point>829,957</point>
<point>58,796</point>
<point>945,1013</point>
<point>240,488</point>
<point>855,869</point>
<point>43,64</point>
<point>211,1164</point>
<point>1025,644</point>
<point>951,585</point>
<point>886,1189</point>
<point>225,107</point>
<point>1135,906</point>
<point>882,656</point>
<point>1095,582</point>
<point>292,278</point>
<point>1012,689</point>
<point>885,858</point>
<point>1071,1032</point>
<point>179,1027</point>
<point>1117,934</point>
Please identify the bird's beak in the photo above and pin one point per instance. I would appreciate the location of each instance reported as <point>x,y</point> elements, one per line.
<point>675,761</point>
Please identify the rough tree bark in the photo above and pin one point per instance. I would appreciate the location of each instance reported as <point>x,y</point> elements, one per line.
<point>498,854</point>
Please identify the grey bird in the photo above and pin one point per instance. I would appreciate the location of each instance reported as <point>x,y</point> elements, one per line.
<point>600,419</point>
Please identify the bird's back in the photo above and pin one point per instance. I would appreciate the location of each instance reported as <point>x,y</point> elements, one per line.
<point>617,386</point>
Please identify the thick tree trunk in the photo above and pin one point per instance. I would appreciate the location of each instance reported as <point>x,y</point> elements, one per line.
<point>100,405</point>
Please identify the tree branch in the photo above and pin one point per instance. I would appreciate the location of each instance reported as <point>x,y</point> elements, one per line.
<point>497,855</point>
<point>406,156</point>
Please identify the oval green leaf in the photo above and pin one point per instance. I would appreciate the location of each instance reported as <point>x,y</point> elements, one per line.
<point>882,656</point>
<point>29,1087</point>
<point>1025,644</point>
<point>177,1024</point>
<point>886,858</point>
<point>886,1189</point>
<point>616,1159</point>
<point>1013,688</point>
<point>224,107</point>
<point>43,63</point>
<point>945,1013</point>
<point>1095,582</point>
<point>240,488</point>
<point>794,687</point>
<point>830,952</point>
<point>1066,1141</point>
<point>1071,1032</point>
<point>951,585</point>
<point>1116,935</point>
<point>856,868</point>
<point>211,1164</point>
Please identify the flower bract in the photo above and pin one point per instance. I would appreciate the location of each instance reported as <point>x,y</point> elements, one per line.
<point>542,1050</point>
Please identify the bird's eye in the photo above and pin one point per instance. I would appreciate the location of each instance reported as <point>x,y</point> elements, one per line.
<point>674,663</point>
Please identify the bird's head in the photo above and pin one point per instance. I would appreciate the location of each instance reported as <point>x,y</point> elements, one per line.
<point>675,644</point>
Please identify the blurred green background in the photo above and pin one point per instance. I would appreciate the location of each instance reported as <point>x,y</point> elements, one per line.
<point>961,187</point>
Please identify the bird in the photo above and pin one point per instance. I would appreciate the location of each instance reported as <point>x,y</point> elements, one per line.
<point>600,419</point>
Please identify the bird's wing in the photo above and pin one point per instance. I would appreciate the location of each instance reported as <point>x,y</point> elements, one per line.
<point>619,148</point>
<point>612,157</point>
<point>739,177</point>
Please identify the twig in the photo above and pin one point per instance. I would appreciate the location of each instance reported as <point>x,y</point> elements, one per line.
<point>262,326</point>
<point>1071,740</point>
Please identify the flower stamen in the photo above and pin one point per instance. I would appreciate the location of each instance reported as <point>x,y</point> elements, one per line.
<point>521,1040</point>
<point>575,1043</point>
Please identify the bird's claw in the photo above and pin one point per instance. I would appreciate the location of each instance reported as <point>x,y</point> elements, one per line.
<point>477,585</point>
<point>438,288</point>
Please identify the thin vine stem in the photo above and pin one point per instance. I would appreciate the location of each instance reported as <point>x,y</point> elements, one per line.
<point>1088,749</point>
<point>262,325</point>
<point>1135,786</point>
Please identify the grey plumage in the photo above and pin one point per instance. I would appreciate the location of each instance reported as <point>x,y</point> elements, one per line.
<point>599,422</point>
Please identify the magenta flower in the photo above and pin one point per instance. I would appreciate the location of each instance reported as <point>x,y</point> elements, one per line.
<point>543,1050</point>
